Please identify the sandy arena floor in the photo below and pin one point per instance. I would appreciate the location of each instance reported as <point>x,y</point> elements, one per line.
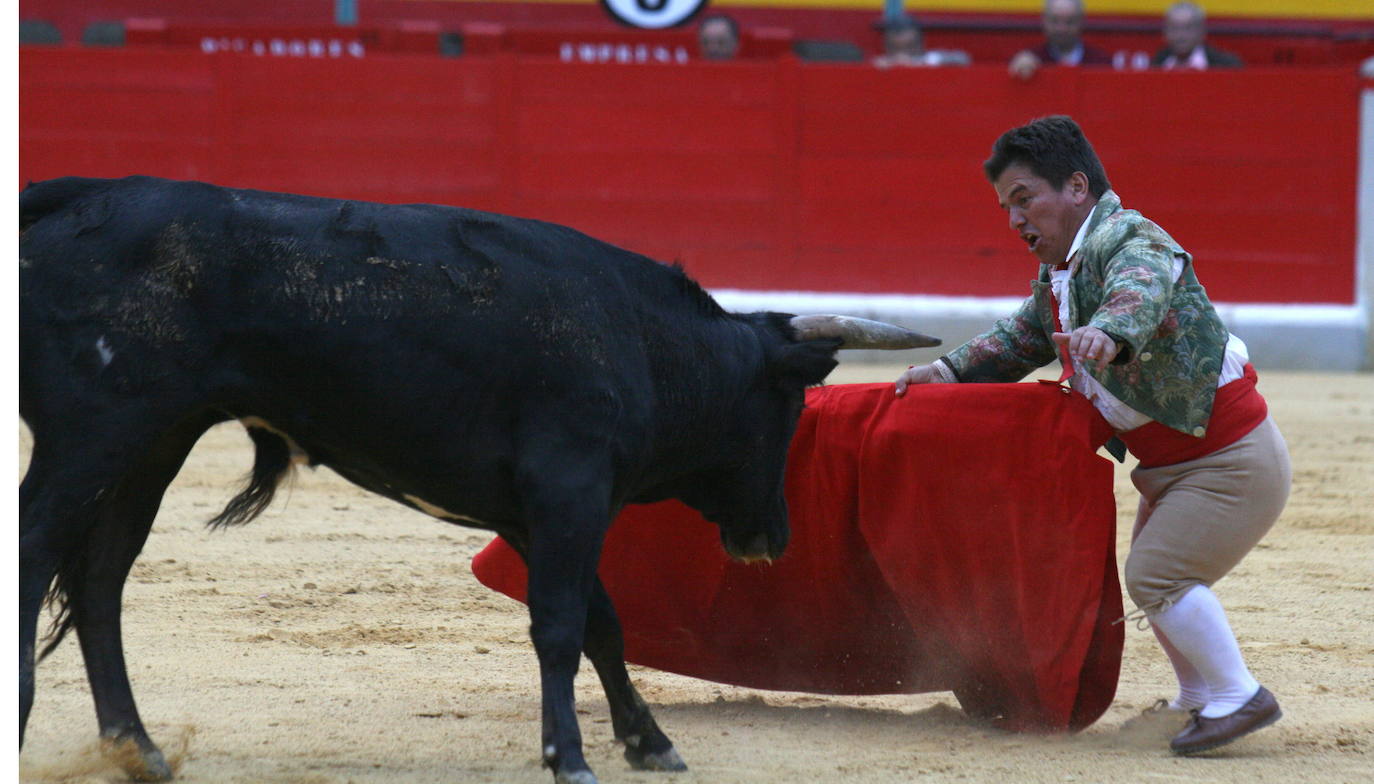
<point>342,638</point>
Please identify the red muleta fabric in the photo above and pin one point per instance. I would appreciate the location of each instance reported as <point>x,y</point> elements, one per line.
<point>961,538</point>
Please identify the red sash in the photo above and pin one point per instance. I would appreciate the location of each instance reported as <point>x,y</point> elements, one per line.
<point>1238,409</point>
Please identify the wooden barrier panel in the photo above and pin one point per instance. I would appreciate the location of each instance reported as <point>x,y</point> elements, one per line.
<point>769,175</point>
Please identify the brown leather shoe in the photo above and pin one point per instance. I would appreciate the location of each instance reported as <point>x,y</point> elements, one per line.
<point>1204,734</point>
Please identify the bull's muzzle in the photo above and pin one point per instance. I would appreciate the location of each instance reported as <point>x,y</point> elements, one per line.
<point>756,549</point>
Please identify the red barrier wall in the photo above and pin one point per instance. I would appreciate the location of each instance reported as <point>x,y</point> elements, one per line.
<point>763,175</point>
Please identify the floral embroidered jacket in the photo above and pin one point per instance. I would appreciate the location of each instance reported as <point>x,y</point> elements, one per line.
<point>1171,338</point>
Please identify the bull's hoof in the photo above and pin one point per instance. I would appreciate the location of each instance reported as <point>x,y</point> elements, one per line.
<point>154,768</point>
<point>140,762</point>
<point>575,777</point>
<point>667,759</point>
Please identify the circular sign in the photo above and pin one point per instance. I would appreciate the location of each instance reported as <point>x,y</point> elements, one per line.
<point>653,14</point>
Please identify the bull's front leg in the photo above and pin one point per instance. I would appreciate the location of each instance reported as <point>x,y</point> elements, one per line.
<point>646,746</point>
<point>562,569</point>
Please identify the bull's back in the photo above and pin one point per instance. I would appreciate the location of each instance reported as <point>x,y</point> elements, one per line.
<point>321,309</point>
<point>141,221</point>
<point>216,260</point>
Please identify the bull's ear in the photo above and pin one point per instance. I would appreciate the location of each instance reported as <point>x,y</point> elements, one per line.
<point>807,362</point>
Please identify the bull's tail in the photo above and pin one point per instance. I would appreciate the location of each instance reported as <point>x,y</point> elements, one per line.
<point>40,199</point>
<point>271,464</point>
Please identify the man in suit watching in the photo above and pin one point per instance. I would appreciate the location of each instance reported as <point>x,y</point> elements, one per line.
<point>1185,42</point>
<point>1062,23</point>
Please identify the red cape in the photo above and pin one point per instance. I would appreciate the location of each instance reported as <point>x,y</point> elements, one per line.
<point>961,538</point>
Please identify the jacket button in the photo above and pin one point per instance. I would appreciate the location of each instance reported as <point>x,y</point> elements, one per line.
<point>1146,356</point>
<point>1199,431</point>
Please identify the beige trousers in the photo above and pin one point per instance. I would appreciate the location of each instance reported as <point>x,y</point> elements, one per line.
<point>1197,519</point>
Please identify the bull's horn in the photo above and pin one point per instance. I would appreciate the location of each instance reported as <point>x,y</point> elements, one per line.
<point>859,332</point>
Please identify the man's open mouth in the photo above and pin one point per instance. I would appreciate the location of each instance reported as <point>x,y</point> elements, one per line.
<point>1031,240</point>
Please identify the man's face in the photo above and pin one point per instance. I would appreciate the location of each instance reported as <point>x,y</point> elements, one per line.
<point>717,41</point>
<point>1046,219</point>
<point>902,40</point>
<point>1063,25</point>
<point>1183,31</point>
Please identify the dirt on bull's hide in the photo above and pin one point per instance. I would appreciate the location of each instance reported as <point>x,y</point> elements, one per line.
<point>342,638</point>
<point>153,307</point>
<point>478,285</point>
<point>321,291</point>
<point>175,259</point>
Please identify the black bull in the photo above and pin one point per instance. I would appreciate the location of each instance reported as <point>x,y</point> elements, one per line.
<point>494,372</point>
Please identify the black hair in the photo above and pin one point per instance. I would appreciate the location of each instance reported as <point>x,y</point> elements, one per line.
<point>1051,147</point>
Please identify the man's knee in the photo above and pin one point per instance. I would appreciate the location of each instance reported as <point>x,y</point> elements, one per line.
<point>1152,589</point>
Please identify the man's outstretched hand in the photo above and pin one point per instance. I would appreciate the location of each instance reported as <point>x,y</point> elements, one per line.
<point>1088,343</point>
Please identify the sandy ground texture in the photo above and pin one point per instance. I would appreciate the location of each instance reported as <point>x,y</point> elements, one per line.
<point>343,638</point>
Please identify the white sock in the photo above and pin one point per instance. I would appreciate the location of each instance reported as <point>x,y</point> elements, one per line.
<point>1192,687</point>
<point>1196,627</point>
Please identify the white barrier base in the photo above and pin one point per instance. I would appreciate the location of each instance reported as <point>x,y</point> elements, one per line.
<point>1290,337</point>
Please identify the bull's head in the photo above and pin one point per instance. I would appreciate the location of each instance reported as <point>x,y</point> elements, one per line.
<point>743,491</point>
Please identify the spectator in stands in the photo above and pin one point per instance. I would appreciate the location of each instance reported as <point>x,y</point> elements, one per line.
<point>38,31</point>
<point>1185,42</point>
<point>1062,23</point>
<point>718,36</point>
<point>903,45</point>
<point>1118,302</point>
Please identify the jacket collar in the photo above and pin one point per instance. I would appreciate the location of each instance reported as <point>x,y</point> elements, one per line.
<point>1108,205</point>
